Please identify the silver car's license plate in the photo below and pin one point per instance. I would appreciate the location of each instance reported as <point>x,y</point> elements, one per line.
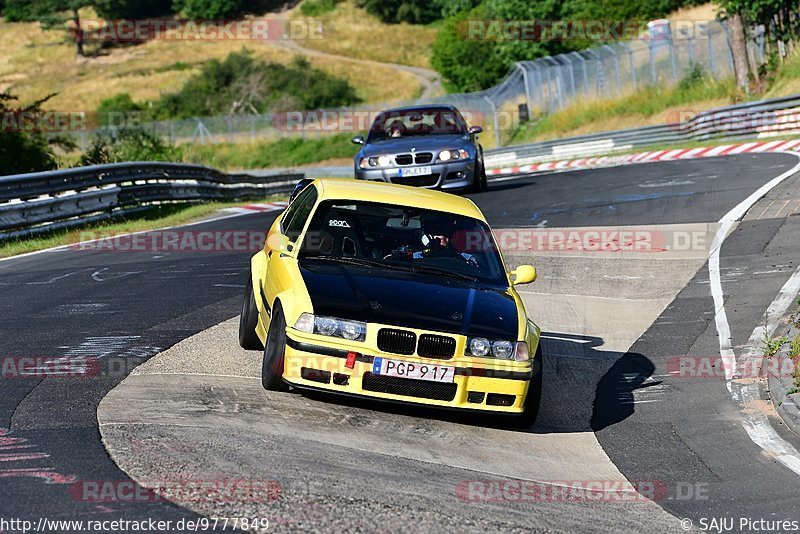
<point>416,171</point>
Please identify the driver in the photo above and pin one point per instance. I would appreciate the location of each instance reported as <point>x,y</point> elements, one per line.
<point>396,129</point>
<point>437,241</point>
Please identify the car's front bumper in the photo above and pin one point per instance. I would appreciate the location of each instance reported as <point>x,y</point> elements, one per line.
<point>450,175</point>
<point>498,387</point>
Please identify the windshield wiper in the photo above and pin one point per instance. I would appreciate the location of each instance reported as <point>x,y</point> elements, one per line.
<point>443,272</point>
<point>360,261</point>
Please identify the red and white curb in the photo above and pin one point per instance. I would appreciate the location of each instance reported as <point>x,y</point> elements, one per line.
<point>645,157</point>
<point>254,208</point>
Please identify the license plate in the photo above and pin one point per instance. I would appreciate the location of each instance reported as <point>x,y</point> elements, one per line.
<point>416,171</point>
<point>419,371</point>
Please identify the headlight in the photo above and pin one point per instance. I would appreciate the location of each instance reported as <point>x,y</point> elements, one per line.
<point>502,349</point>
<point>447,155</point>
<point>331,326</point>
<point>479,346</point>
<point>384,161</point>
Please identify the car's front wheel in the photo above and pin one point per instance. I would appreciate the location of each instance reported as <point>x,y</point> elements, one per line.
<point>274,350</point>
<point>479,182</point>
<point>248,319</point>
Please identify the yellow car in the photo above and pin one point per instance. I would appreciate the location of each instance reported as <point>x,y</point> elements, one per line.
<point>391,292</point>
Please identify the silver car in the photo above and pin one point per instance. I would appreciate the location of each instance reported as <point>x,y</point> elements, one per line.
<point>424,146</point>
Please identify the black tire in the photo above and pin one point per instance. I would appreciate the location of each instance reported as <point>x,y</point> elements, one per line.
<point>248,319</point>
<point>532,402</point>
<point>478,180</point>
<point>274,349</point>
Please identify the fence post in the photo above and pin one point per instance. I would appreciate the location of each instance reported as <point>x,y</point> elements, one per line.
<point>496,121</point>
<point>712,62</point>
<point>653,76</point>
<point>525,79</point>
<point>616,68</point>
<point>632,64</point>
<point>672,59</point>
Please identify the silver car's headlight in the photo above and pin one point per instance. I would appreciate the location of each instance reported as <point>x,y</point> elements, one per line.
<point>447,155</point>
<point>331,326</point>
<point>502,350</point>
<point>375,161</point>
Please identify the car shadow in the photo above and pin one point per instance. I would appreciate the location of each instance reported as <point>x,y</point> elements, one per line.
<point>584,389</point>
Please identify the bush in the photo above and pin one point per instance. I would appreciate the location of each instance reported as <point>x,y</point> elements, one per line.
<point>411,11</point>
<point>210,9</point>
<point>241,84</point>
<point>128,144</point>
<point>22,151</point>
<point>315,8</point>
<point>118,107</point>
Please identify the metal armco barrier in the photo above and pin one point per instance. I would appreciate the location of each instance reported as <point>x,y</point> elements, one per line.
<point>46,201</point>
<point>760,120</point>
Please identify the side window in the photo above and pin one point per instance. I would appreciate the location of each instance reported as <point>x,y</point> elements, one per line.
<point>296,216</point>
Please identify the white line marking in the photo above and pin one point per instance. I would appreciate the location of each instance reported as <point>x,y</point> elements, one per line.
<point>756,424</point>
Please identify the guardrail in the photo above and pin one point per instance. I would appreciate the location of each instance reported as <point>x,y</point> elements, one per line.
<point>42,202</point>
<point>761,119</point>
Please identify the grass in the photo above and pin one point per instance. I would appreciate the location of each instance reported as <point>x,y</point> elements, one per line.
<point>151,219</point>
<point>773,345</point>
<point>351,31</point>
<point>283,153</point>
<point>147,70</point>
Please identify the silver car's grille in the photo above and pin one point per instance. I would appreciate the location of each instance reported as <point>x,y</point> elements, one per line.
<point>408,159</point>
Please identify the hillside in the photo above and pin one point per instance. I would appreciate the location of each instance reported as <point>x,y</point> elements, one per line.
<point>37,63</point>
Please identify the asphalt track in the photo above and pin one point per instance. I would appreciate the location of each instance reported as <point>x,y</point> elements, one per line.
<point>133,305</point>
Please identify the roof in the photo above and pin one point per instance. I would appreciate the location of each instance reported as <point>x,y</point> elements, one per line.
<point>444,107</point>
<point>398,195</point>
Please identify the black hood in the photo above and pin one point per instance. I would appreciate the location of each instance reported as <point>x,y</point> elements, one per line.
<point>411,300</point>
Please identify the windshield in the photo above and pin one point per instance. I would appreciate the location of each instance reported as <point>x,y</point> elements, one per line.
<point>436,121</point>
<point>399,238</point>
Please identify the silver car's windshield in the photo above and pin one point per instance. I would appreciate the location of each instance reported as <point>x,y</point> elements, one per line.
<point>398,124</point>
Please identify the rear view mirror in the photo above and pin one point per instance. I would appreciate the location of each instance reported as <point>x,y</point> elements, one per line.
<point>399,223</point>
<point>358,140</point>
<point>524,274</point>
<point>474,130</point>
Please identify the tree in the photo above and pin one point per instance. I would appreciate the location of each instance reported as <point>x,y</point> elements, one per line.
<point>25,151</point>
<point>210,9</point>
<point>51,14</point>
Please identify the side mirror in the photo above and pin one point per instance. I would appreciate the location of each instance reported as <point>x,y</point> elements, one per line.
<point>524,274</point>
<point>279,243</point>
<point>358,140</point>
<point>474,130</point>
